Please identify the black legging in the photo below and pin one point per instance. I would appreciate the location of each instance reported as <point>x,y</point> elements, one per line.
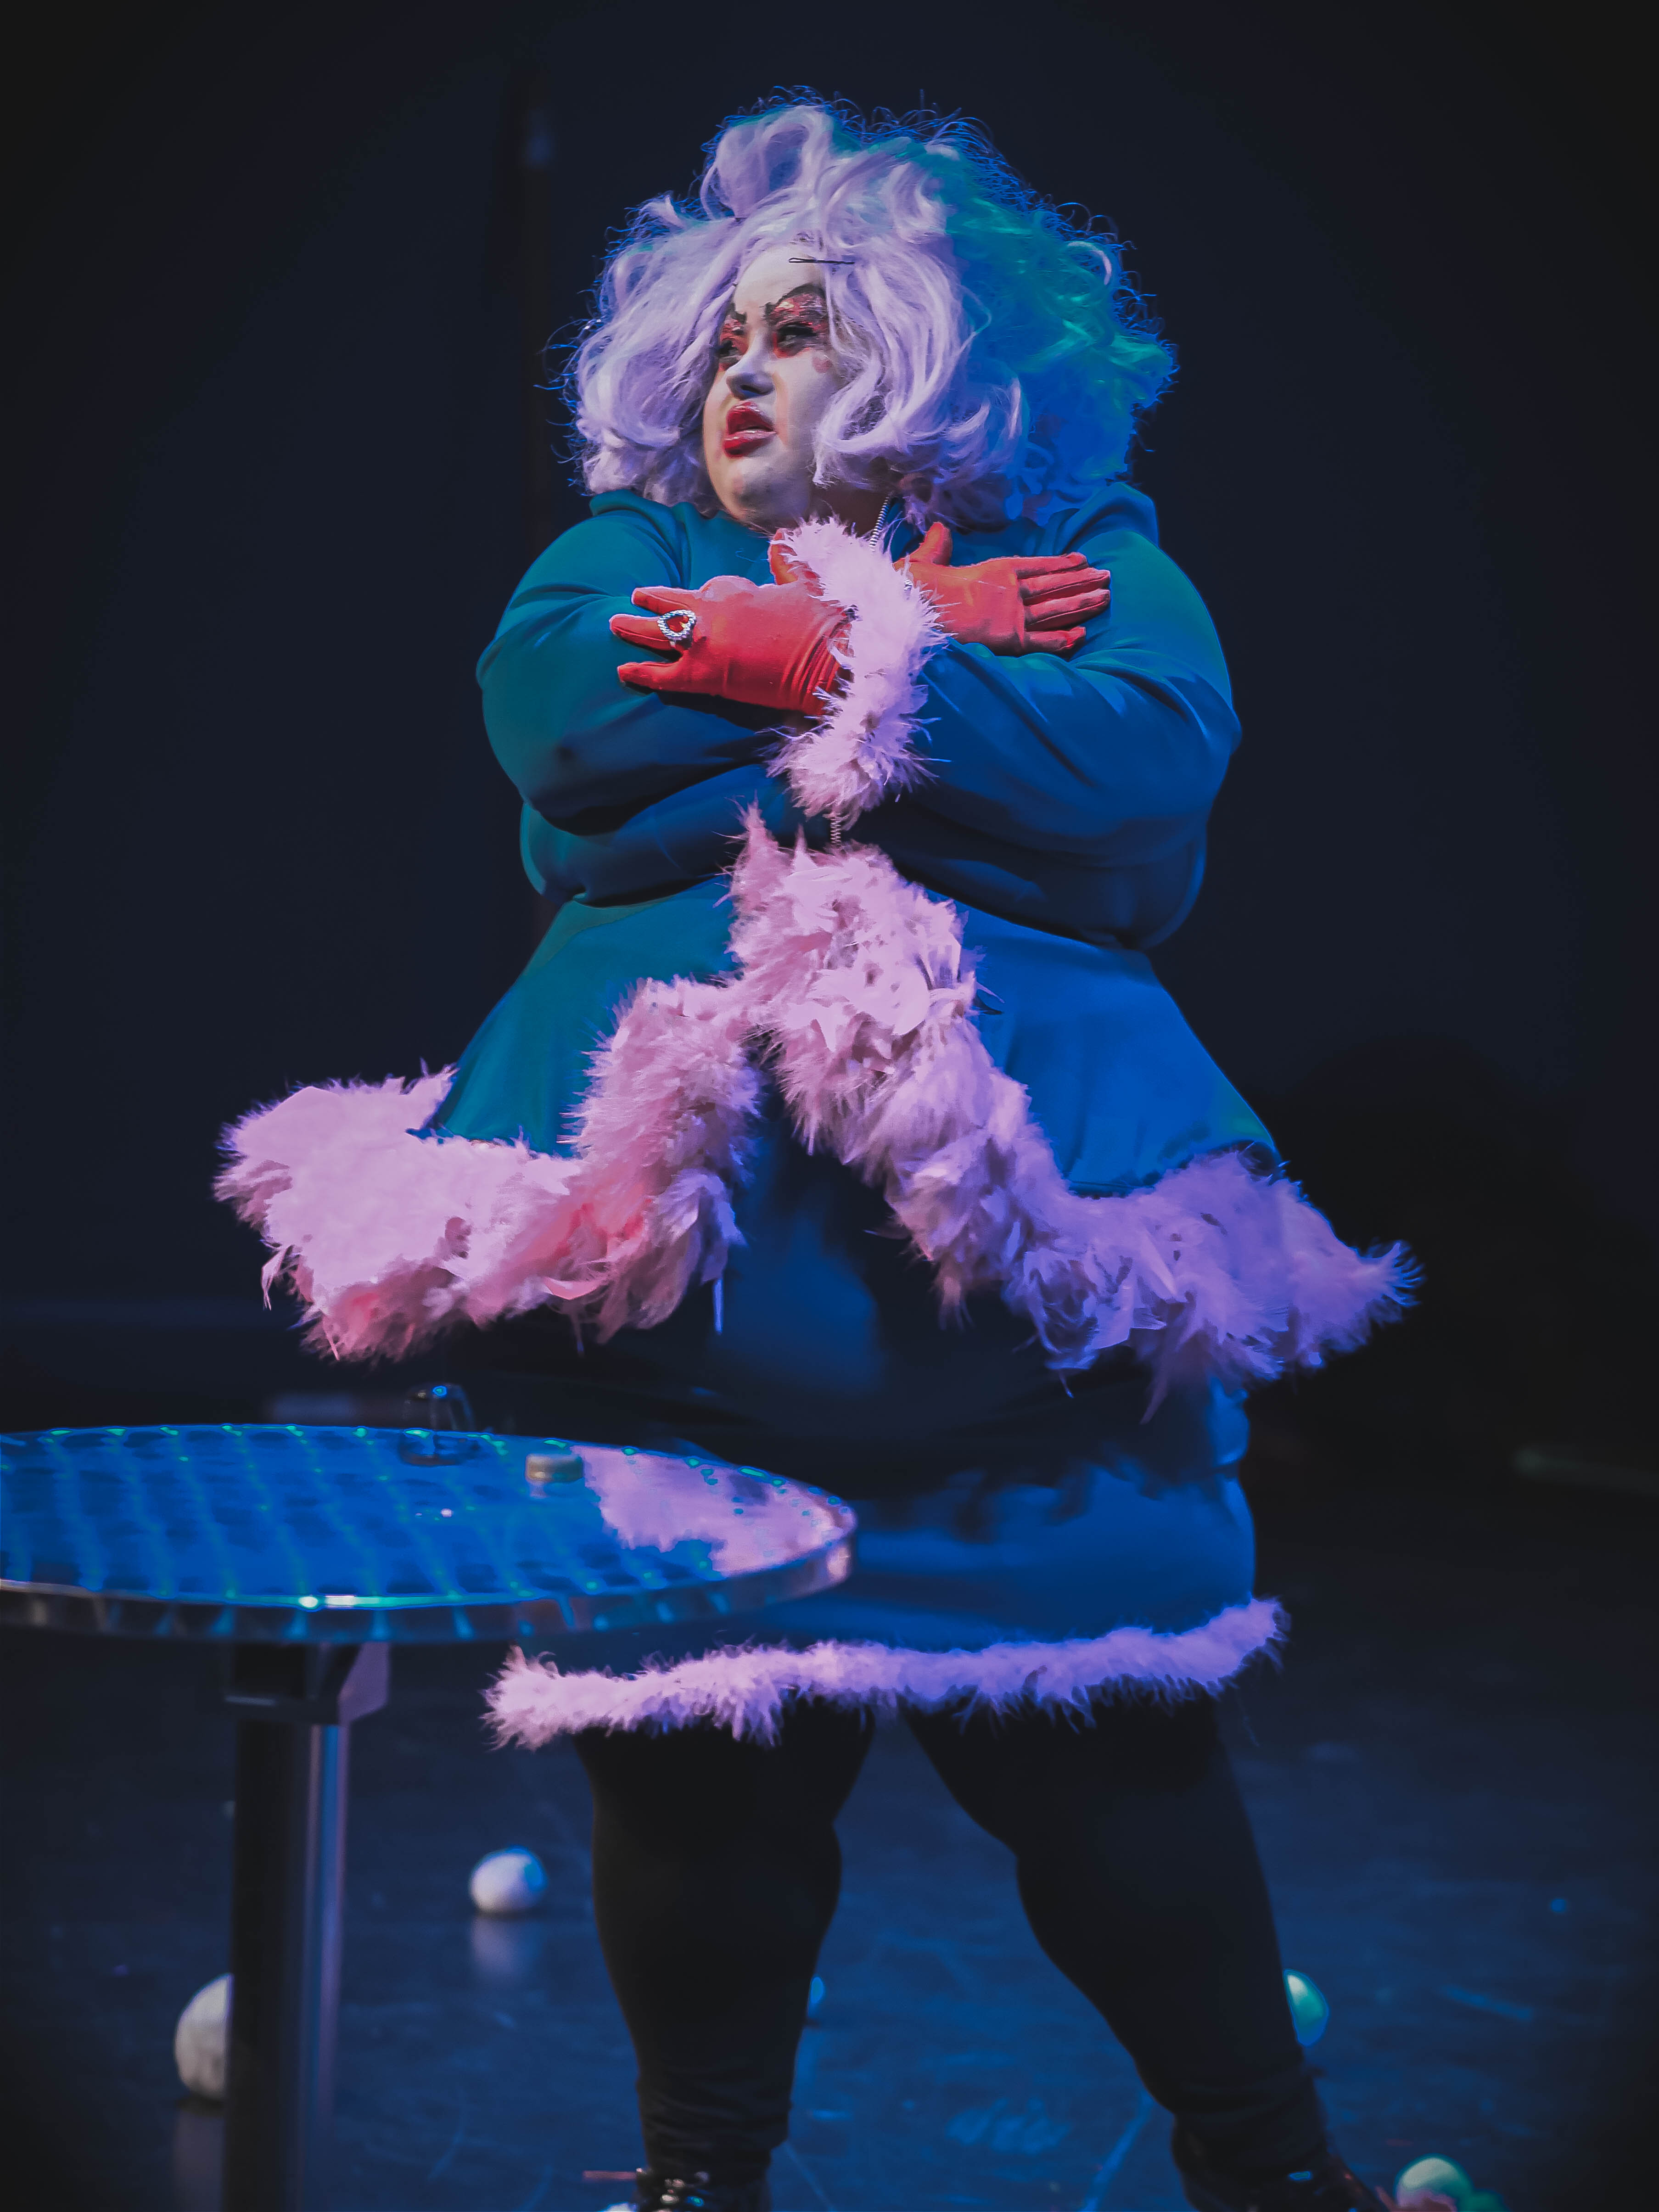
<point>716,1870</point>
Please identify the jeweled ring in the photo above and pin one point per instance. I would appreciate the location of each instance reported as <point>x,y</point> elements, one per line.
<point>679,625</point>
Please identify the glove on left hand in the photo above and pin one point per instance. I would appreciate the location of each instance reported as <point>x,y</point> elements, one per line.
<point>1017,602</point>
<point>766,645</point>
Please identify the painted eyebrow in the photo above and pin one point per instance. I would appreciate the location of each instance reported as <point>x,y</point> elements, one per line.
<point>808,291</point>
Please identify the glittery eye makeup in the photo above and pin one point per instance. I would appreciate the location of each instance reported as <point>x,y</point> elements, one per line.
<point>802,320</point>
<point>794,323</point>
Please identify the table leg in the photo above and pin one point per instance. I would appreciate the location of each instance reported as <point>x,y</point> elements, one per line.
<point>288,1895</point>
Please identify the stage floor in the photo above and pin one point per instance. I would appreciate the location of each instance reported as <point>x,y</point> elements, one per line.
<point>1452,1776</point>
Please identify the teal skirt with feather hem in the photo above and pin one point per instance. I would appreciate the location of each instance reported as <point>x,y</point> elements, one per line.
<point>1037,1530</point>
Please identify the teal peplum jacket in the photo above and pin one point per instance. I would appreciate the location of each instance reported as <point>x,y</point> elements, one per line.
<point>1063,813</point>
<point>1088,1526</point>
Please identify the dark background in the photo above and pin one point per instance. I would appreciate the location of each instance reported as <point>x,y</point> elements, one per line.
<point>281,276</point>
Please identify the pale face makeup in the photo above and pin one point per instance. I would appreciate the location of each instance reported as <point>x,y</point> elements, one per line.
<point>775,377</point>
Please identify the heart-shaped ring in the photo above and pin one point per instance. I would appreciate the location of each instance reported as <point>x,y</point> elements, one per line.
<point>679,625</point>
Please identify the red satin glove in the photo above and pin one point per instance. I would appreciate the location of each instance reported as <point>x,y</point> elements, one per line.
<point>767,645</point>
<point>1014,604</point>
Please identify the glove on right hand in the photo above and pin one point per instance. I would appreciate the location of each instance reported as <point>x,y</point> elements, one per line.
<point>767,645</point>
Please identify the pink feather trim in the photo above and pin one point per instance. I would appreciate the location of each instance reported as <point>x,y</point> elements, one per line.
<point>859,982</point>
<point>855,986</point>
<point>386,1236</point>
<point>746,1688</point>
<point>860,752</point>
<point>336,1182</point>
<point>855,983</point>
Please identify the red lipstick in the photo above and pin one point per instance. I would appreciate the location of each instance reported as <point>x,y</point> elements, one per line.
<point>746,431</point>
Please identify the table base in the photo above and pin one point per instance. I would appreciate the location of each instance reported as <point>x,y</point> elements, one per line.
<point>294,1709</point>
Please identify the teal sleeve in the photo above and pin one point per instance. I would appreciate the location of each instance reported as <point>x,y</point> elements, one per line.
<point>579,744</point>
<point>1111,752</point>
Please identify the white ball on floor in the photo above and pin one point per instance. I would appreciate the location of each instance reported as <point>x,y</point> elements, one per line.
<point>199,2041</point>
<point>1431,2182</point>
<point>1309,2009</point>
<point>508,1883</point>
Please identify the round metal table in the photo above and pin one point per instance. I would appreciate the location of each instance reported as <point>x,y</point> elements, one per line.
<point>305,1554</point>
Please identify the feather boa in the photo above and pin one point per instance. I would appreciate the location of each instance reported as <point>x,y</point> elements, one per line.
<point>852,984</point>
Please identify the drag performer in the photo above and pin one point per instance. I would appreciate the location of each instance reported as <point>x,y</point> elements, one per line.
<point>867,740</point>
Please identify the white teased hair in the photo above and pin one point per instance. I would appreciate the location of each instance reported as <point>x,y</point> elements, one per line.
<point>994,355</point>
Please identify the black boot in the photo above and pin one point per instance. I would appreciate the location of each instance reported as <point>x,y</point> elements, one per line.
<point>696,2193</point>
<point>1327,2185</point>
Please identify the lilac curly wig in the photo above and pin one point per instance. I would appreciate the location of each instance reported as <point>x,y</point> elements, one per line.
<point>995,359</point>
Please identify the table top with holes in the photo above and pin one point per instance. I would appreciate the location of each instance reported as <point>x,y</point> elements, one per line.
<point>237,1531</point>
